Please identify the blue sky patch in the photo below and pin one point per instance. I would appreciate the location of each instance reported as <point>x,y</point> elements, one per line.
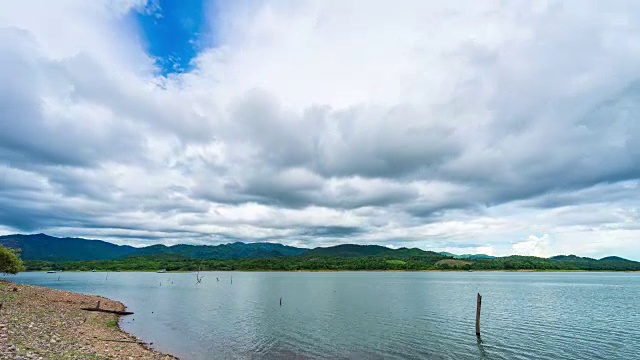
<point>173,32</point>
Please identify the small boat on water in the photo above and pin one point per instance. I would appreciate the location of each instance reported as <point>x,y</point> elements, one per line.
<point>51,272</point>
<point>162,271</point>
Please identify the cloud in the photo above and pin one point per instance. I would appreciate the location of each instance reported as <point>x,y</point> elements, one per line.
<point>440,125</point>
<point>533,246</point>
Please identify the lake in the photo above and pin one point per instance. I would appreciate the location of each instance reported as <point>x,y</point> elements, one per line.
<point>373,315</point>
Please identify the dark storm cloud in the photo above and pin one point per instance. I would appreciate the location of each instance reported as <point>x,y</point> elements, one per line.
<point>535,157</point>
<point>401,142</point>
<point>291,189</point>
<point>24,212</point>
<point>362,141</point>
<point>331,231</point>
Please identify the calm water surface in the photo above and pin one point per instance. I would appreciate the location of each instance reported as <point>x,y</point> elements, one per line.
<point>367,315</point>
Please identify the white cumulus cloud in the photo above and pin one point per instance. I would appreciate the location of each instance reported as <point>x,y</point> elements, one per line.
<point>445,125</point>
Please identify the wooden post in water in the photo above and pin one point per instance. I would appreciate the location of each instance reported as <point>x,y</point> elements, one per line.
<point>280,300</point>
<point>478,314</point>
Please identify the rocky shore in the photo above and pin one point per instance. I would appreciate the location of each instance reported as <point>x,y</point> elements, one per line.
<point>42,323</point>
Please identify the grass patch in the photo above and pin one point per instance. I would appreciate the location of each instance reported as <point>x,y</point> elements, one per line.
<point>112,323</point>
<point>7,297</point>
<point>452,262</point>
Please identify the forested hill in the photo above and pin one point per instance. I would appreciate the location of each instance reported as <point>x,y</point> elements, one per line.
<point>43,252</point>
<point>49,248</point>
<point>45,247</point>
<point>348,250</point>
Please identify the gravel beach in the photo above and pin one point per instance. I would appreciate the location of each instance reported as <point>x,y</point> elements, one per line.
<point>42,323</point>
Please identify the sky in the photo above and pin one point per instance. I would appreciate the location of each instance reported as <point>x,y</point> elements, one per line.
<point>497,127</point>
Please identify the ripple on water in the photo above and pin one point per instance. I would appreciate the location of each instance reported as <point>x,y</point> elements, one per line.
<point>376,315</point>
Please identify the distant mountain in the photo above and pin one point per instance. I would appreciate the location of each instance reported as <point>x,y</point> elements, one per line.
<point>237,250</point>
<point>467,256</point>
<point>571,258</point>
<point>475,256</point>
<point>559,262</point>
<point>45,247</point>
<point>403,253</point>
<point>613,258</point>
<point>49,248</point>
<point>444,253</point>
<point>351,250</point>
<point>347,250</point>
<point>588,259</point>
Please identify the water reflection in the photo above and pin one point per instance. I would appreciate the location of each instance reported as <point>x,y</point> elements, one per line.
<point>483,352</point>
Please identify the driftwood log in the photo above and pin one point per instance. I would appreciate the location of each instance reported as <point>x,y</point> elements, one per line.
<point>109,311</point>
<point>97,308</point>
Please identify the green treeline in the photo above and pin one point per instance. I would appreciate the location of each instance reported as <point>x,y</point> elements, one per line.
<point>399,261</point>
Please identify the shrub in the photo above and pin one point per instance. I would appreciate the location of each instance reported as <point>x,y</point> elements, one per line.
<point>10,262</point>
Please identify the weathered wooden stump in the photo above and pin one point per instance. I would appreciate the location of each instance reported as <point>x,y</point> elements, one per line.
<point>478,314</point>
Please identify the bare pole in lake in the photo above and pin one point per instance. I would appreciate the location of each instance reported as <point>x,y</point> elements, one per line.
<point>478,314</point>
<point>280,300</point>
<point>198,277</point>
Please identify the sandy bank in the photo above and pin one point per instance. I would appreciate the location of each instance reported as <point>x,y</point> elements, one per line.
<point>42,323</point>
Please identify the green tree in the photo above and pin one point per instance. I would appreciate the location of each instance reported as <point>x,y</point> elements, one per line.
<point>10,262</point>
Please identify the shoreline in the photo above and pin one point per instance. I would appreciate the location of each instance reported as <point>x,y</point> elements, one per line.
<point>338,271</point>
<point>43,323</point>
